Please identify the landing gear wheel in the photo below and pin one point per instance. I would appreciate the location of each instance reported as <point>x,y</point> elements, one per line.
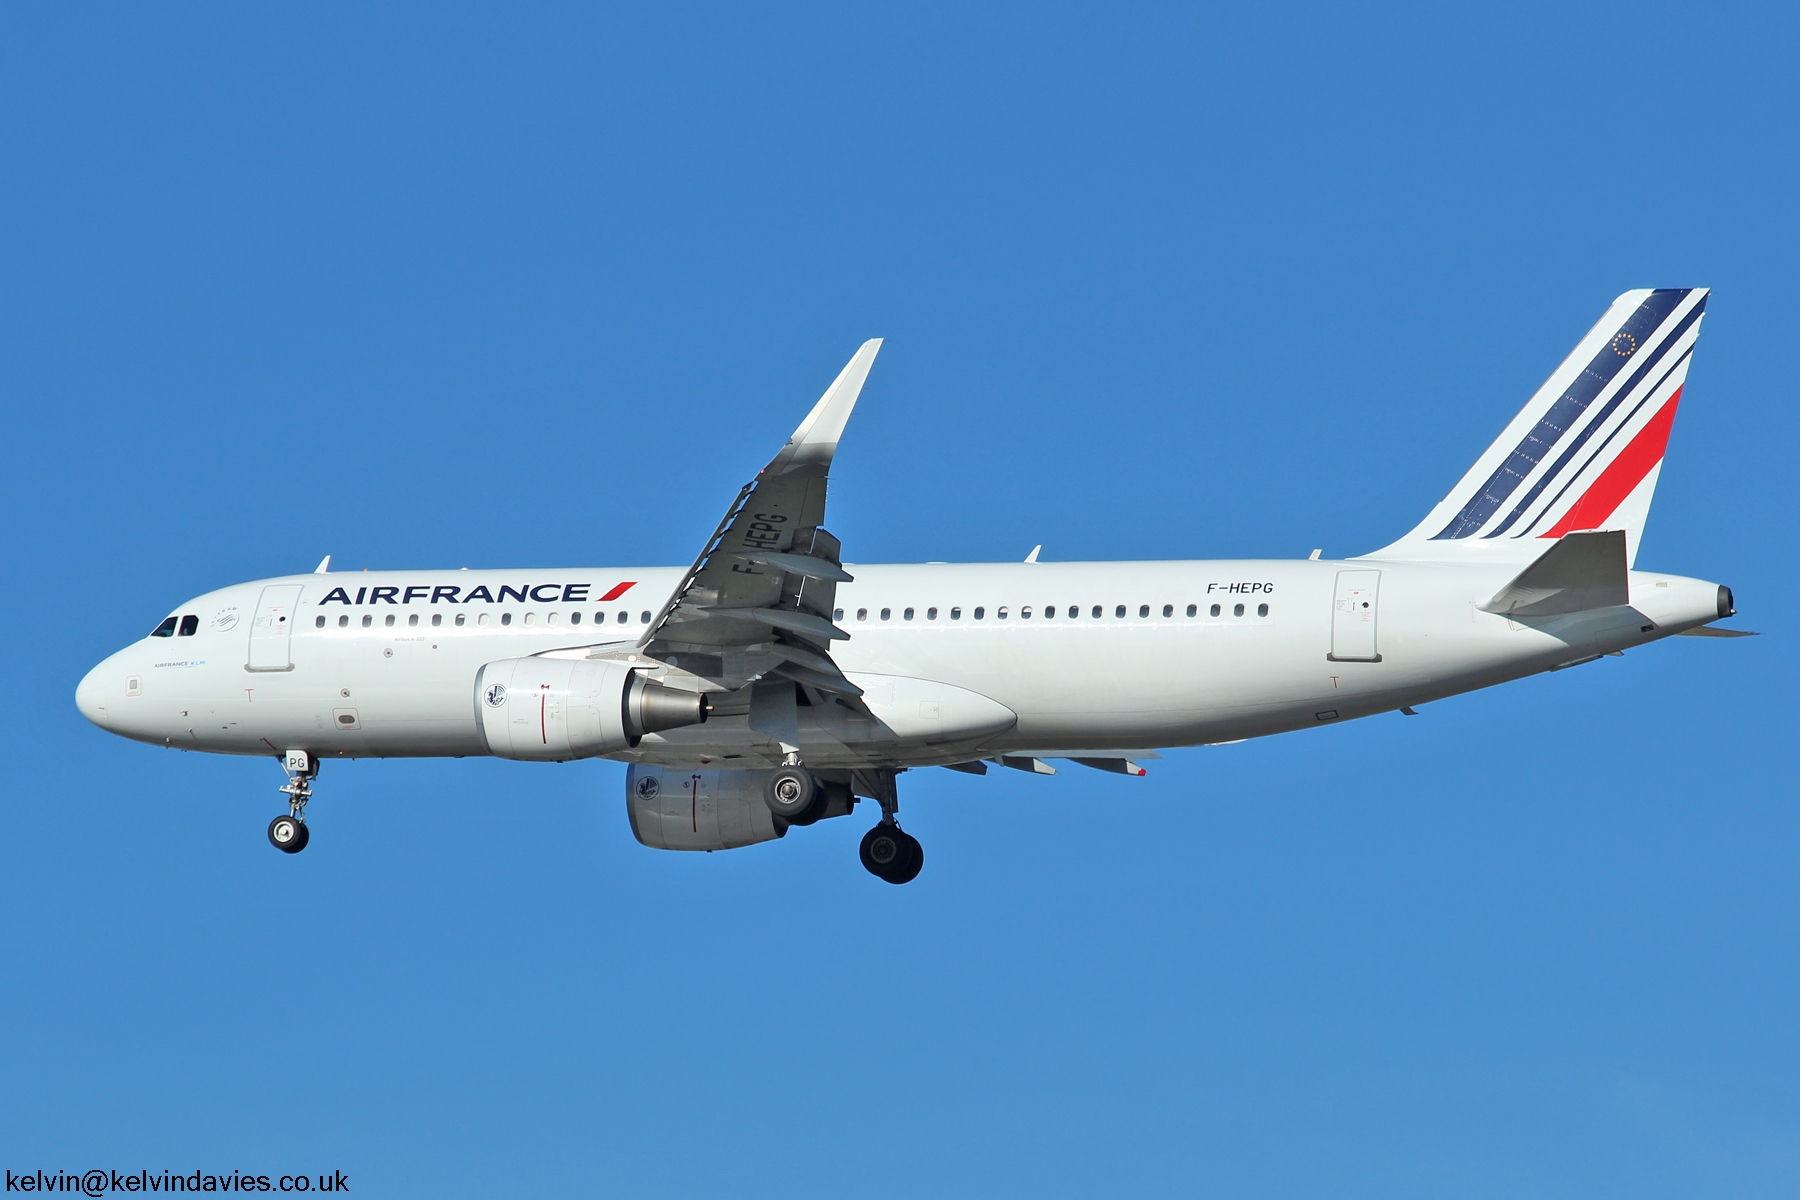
<point>915,861</point>
<point>789,791</point>
<point>891,854</point>
<point>288,834</point>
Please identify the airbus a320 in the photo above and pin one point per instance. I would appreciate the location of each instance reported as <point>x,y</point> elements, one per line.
<point>771,685</point>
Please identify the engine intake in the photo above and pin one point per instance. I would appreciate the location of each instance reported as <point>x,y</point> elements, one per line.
<point>557,709</point>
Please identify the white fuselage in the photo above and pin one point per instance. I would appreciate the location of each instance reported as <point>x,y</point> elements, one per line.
<point>384,663</point>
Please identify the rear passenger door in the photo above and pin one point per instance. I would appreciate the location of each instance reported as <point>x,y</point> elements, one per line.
<point>1355,611</point>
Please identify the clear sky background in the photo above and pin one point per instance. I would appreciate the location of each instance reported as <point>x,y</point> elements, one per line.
<point>436,287</point>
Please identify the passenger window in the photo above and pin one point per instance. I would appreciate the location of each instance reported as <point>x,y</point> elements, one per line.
<point>1215,610</point>
<point>1237,610</point>
<point>413,620</point>
<point>1119,612</point>
<point>956,614</point>
<point>1025,613</point>
<point>462,618</point>
<point>862,614</point>
<point>1192,609</point>
<point>886,613</point>
<point>908,614</point>
<point>437,619</point>
<point>506,618</point>
<point>482,620</point>
<point>1168,610</point>
<point>574,618</point>
<point>931,614</point>
<point>624,617</point>
<point>531,618</point>
<point>1000,613</point>
<point>600,618</point>
<point>190,625</point>
<point>166,629</point>
<point>837,614</point>
<point>643,618</point>
<point>1143,610</point>
<point>390,621</point>
<point>1096,612</point>
<point>343,622</point>
<point>980,612</point>
<point>319,623</point>
<point>1262,610</point>
<point>550,620</point>
<point>1049,612</point>
<point>368,620</point>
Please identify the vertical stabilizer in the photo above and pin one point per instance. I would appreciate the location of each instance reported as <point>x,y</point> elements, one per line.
<point>1585,452</point>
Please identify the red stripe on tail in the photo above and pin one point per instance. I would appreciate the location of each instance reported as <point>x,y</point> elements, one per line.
<point>1622,475</point>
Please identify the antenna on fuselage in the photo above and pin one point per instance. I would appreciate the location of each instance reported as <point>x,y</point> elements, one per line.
<point>324,566</point>
<point>1032,557</point>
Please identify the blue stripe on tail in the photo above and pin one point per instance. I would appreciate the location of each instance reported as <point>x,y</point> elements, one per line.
<point>1568,409</point>
<point>1587,431</point>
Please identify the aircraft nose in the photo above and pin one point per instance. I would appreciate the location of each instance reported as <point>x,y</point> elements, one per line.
<point>90,699</point>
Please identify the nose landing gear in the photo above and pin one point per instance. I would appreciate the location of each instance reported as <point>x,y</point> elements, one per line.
<point>288,833</point>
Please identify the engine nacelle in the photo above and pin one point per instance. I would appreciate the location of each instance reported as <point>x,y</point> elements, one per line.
<point>556,709</point>
<point>672,809</point>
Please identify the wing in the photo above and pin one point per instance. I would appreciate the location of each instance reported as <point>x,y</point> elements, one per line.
<point>759,598</point>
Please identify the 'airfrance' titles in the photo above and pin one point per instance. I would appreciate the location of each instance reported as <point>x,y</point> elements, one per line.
<point>445,593</point>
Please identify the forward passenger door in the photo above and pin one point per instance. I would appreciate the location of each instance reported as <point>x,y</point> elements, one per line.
<point>273,627</point>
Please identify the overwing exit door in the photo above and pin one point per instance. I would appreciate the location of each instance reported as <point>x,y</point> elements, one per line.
<point>1354,612</point>
<point>273,627</point>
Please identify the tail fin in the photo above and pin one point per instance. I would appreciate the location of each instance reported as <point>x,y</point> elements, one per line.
<point>1585,451</point>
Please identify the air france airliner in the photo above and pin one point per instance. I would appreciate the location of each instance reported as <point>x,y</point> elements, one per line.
<point>772,685</point>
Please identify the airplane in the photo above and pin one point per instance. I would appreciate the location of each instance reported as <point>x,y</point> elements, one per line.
<point>771,684</point>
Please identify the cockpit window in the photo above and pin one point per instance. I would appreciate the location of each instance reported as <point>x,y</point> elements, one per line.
<point>190,625</point>
<point>166,629</point>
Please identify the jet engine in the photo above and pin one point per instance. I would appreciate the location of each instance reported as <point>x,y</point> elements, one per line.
<point>556,709</point>
<point>672,809</point>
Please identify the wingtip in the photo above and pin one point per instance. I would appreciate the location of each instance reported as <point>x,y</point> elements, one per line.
<point>818,434</point>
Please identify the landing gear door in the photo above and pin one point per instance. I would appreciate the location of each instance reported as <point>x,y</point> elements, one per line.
<point>273,627</point>
<point>1354,612</point>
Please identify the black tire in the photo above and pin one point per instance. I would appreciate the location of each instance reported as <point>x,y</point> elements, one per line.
<point>890,854</point>
<point>815,811</point>
<point>915,861</point>
<point>789,792</point>
<point>288,835</point>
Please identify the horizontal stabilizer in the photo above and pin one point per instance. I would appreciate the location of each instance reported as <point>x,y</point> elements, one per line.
<point>1715,631</point>
<point>1581,571</point>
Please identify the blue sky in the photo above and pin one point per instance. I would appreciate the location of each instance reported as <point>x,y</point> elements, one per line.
<point>438,286</point>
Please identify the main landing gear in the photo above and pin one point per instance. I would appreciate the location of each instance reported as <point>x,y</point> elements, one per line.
<point>888,852</point>
<point>287,832</point>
